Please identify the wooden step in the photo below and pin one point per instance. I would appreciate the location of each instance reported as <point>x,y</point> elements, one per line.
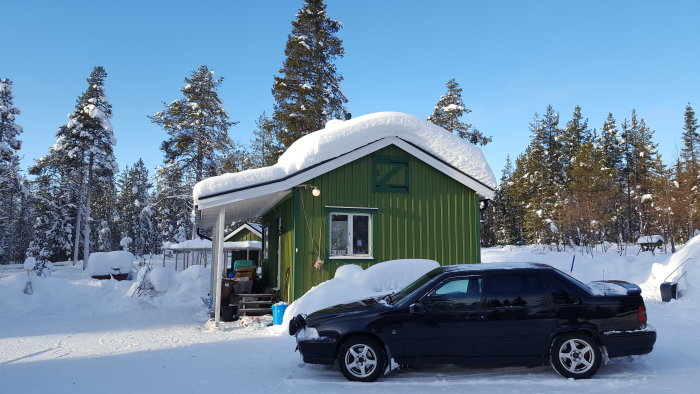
<point>254,311</point>
<point>254,302</point>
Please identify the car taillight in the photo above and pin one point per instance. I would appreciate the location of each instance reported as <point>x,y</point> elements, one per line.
<point>642,314</point>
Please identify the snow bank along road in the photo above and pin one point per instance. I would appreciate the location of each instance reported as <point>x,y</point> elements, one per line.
<point>75,335</point>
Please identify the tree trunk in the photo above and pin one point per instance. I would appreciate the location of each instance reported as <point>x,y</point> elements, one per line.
<point>78,221</point>
<point>88,213</point>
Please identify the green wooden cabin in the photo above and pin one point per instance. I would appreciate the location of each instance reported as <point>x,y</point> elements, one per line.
<point>393,197</point>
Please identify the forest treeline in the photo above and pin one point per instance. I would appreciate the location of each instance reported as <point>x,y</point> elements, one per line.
<point>574,185</point>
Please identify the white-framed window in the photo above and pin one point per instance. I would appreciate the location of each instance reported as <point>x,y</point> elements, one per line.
<point>350,235</point>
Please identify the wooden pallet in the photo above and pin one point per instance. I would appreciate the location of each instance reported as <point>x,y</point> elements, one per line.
<point>254,304</point>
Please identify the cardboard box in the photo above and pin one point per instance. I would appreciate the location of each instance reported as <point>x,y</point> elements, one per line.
<point>248,272</point>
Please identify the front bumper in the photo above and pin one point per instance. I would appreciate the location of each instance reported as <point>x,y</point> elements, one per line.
<point>317,350</point>
<point>628,343</point>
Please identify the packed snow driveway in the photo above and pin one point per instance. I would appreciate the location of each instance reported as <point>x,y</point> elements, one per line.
<point>78,335</point>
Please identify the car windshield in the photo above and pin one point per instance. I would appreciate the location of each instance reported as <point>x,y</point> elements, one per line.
<point>408,290</point>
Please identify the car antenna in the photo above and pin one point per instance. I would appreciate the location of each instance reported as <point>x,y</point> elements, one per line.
<point>605,284</point>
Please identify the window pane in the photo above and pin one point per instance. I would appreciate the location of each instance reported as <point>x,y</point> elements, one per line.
<point>360,234</point>
<point>339,235</point>
<point>516,290</point>
<point>456,294</point>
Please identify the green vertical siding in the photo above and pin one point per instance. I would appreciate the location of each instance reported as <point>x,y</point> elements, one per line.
<point>284,210</point>
<point>437,219</point>
<point>245,235</point>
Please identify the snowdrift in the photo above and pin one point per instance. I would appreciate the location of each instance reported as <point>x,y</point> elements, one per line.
<point>351,283</point>
<point>669,271</point>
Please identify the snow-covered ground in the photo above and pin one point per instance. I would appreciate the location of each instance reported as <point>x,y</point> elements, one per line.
<point>79,335</point>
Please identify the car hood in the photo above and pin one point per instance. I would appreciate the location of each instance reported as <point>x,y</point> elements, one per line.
<point>349,308</point>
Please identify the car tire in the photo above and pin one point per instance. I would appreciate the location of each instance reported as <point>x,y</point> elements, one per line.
<point>362,359</point>
<point>575,355</point>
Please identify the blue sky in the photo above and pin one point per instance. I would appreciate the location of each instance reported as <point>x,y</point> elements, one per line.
<point>512,59</point>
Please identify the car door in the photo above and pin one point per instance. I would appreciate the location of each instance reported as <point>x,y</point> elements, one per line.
<point>519,314</point>
<point>443,325</point>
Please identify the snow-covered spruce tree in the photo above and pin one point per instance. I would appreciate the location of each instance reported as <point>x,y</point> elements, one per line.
<point>448,111</point>
<point>591,191</point>
<point>171,204</point>
<point>54,212</point>
<point>13,195</point>
<point>198,127</point>
<point>134,208</point>
<point>265,148</point>
<point>574,135</point>
<point>84,153</point>
<point>642,168</point>
<point>307,92</point>
<point>507,213</point>
<point>542,180</point>
<point>690,152</point>
<point>687,176</point>
<point>611,146</point>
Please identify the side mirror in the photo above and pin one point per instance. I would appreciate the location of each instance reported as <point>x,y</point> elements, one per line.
<point>416,307</point>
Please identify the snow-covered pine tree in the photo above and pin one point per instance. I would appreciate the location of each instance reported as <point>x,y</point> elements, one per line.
<point>448,111</point>
<point>84,157</point>
<point>171,203</point>
<point>265,148</point>
<point>307,92</point>
<point>134,208</point>
<point>198,127</point>
<point>13,195</point>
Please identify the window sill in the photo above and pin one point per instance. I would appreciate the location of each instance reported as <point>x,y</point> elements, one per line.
<point>351,258</point>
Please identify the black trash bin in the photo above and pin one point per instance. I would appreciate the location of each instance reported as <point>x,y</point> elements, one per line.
<point>668,291</point>
<point>228,312</point>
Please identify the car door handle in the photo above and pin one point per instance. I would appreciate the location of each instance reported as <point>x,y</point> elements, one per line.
<point>474,317</point>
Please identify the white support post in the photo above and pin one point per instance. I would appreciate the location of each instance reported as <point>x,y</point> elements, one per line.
<point>217,260</point>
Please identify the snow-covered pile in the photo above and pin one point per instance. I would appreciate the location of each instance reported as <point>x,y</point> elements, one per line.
<point>351,283</point>
<point>344,136</point>
<point>669,271</point>
<point>106,263</point>
<point>190,284</point>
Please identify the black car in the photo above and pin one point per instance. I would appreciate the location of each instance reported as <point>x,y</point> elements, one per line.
<point>481,315</point>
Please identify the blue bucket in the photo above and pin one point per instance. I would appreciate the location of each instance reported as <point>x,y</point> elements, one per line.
<point>278,313</point>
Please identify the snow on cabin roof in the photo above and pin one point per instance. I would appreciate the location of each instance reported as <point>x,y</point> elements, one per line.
<point>205,244</point>
<point>342,141</point>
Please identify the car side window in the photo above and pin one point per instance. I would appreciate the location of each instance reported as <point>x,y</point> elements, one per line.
<point>516,289</point>
<point>458,293</point>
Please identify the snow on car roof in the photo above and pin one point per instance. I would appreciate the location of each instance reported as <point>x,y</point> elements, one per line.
<point>494,266</point>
